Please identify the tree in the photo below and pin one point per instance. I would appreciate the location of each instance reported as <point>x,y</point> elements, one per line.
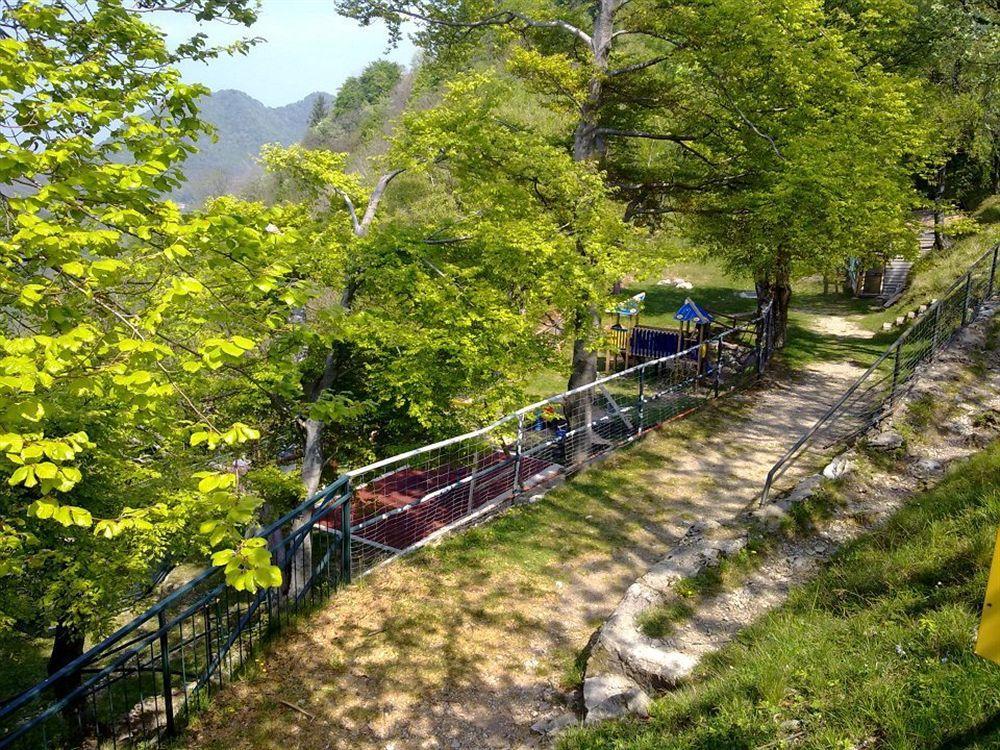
<point>792,166</point>
<point>654,89</point>
<point>319,111</point>
<point>375,83</point>
<point>115,307</point>
<point>487,246</point>
<point>953,48</point>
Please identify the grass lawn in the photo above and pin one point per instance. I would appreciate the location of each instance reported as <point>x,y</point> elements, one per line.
<point>714,289</point>
<point>874,653</point>
<point>22,663</point>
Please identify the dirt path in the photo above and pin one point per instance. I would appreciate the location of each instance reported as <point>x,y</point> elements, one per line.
<point>467,644</point>
<point>840,325</point>
<point>957,405</point>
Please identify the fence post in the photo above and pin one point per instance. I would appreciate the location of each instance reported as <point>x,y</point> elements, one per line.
<point>472,481</point>
<point>640,405</point>
<point>518,456</point>
<point>993,272</point>
<point>718,364</point>
<point>168,692</point>
<point>895,376</point>
<point>759,345</point>
<point>965,301</point>
<point>937,324</point>
<point>345,534</point>
<point>208,648</point>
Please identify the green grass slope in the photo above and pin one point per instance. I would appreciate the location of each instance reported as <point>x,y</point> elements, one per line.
<point>934,273</point>
<point>874,653</point>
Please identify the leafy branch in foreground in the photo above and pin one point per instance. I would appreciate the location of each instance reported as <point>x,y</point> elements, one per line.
<point>115,305</point>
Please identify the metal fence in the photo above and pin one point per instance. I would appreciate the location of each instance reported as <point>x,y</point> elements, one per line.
<point>873,395</point>
<point>138,686</point>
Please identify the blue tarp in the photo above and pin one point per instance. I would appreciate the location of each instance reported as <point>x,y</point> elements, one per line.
<point>691,312</point>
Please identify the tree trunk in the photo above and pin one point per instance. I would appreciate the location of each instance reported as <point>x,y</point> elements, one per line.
<point>579,407</point>
<point>995,181</point>
<point>778,289</point>
<point>67,646</point>
<point>588,143</point>
<point>942,182</point>
<point>300,563</point>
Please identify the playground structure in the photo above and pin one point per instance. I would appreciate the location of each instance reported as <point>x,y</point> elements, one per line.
<point>630,343</point>
<point>137,687</point>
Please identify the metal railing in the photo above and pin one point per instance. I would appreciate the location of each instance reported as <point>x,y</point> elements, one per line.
<point>874,394</point>
<point>133,688</point>
<point>138,686</point>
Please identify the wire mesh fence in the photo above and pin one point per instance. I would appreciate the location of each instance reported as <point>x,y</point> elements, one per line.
<point>136,688</point>
<point>405,501</point>
<point>874,394</point>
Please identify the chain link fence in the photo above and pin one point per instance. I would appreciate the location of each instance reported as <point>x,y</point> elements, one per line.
<point>136,688</point>
<point>873,395</point>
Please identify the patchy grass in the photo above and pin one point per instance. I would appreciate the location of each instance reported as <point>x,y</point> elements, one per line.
<point>467,616</point>
<point>660,621</point>
<point>874,653</point>
<point>805,345</point>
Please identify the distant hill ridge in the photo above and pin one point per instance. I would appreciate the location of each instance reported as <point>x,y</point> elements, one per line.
<point>243,125</point>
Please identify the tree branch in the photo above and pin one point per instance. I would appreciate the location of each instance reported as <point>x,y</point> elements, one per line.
<point>673,137</point>
<point>499,19</point>
<point>376,197</point>
<point>355,224</point>
<point>638,66</point>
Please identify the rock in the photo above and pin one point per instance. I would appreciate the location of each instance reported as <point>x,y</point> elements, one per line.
<point>961,427</point>
<point>887,326</point>
<point>889,440</point>
<point>747,295</point>
<point>554,724</point>
<point>790,725</point>
<point>926,467</point>
<point>610,696</point>
<point>911,315</point>
<point>900,320</point>
<point>803,490</point>
<point>922,309</point>
<point>685,285</point>
<point>839,467</point>
<point>702,528</point>
<point>771,517</point>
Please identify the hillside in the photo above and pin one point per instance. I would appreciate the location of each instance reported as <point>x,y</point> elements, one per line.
<point>243,125</point>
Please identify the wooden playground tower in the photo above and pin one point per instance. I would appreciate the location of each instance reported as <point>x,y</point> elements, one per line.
<point>631,343</point>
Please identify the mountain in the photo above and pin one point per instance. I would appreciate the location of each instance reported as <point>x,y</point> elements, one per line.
<point>243,125</point>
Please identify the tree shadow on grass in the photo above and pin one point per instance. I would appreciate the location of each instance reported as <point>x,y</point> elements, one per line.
<point>984,734</point>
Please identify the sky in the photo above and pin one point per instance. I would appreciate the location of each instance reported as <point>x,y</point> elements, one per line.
<point>307,48</point>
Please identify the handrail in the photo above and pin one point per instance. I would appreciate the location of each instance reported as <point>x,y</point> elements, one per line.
<point>783,463</point>
<point>479,432</point>
<point>101,648</point>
